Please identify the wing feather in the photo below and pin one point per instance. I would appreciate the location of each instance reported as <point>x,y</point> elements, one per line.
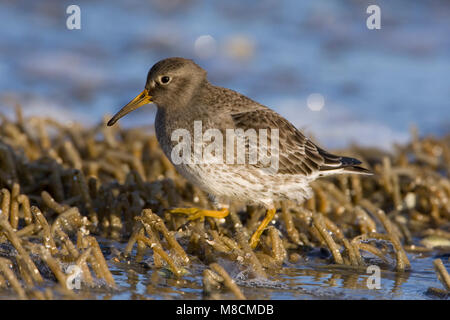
<point>297,154</point>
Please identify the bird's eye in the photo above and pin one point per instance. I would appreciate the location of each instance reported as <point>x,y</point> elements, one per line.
<point>165,79</point>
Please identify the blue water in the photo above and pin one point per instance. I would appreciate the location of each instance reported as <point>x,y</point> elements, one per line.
<point>376,83</point>
<point>304,280</point>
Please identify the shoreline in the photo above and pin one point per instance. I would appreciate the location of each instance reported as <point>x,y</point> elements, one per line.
<point>97,198</point>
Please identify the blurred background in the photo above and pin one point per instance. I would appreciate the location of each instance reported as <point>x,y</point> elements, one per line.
<point>314,62</point>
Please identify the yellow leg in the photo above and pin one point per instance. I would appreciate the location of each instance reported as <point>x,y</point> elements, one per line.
<point>255,237</point>
<point>197,213</point>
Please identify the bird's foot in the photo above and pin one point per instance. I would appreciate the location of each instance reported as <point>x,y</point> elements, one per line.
<point>197,213</point>
<point>254,240</point>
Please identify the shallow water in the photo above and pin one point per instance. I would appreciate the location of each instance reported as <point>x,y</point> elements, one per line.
<point>310,278</point>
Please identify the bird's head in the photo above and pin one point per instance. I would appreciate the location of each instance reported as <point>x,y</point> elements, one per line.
<point>171,83</point>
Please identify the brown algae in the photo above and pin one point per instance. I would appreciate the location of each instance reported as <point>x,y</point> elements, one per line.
<point>66,191</point>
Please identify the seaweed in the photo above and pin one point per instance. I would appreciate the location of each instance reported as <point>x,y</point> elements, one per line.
<point>66,191</point>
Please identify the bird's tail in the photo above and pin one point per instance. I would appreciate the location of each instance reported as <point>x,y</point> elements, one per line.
<point>346,165</point>
<point>350,165</point>
<point>357,170</point>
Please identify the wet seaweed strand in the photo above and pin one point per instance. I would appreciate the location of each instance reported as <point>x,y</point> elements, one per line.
<point>63,185</point>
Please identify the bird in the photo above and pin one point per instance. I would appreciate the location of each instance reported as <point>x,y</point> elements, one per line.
<point>183,95</point>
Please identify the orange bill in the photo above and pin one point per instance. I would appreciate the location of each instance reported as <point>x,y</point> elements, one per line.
<point>142,99</point>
